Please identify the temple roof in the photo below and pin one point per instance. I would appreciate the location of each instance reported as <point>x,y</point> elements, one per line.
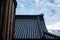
<point>29,16</point>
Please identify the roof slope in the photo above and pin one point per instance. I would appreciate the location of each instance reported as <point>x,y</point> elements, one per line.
<point>29,26</point>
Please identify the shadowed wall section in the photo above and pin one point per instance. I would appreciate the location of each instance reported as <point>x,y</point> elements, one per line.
<point>7,15</point>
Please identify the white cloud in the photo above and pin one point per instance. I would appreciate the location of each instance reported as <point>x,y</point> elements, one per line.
<point>55,4</point>
<point>52,4</point>
<point>54,26</point>
<point>55,16</point>
<point>21,5</point>
<point>20,8</point>
<point>55,32</point>
<point>33,12</point>
<point>56,1</point>
<point>37,2</point>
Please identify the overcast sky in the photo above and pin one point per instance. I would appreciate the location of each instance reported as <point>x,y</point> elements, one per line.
<point>50,9</point>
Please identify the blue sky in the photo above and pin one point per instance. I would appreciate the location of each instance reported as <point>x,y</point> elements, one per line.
<point>50,9</point>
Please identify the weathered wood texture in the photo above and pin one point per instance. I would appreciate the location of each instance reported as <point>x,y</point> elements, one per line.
<point>7,15</point>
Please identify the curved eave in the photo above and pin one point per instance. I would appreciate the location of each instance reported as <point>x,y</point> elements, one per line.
<point>48,35</point>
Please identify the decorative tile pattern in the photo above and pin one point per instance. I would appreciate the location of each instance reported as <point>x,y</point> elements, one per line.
<point>26,28</point>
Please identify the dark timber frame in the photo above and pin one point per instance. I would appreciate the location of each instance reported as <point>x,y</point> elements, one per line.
<point>7,15</point>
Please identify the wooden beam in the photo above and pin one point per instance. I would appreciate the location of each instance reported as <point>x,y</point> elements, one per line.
<point>7,19</point>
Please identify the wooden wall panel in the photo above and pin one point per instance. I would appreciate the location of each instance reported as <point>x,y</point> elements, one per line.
<point>7,19</point>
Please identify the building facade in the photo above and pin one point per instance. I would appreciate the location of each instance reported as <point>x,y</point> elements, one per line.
<point>26,24</point>
<point>31,27</point>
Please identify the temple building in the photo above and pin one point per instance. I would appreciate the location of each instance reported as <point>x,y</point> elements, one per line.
<point>13,27</point>
<point>31,27</point>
